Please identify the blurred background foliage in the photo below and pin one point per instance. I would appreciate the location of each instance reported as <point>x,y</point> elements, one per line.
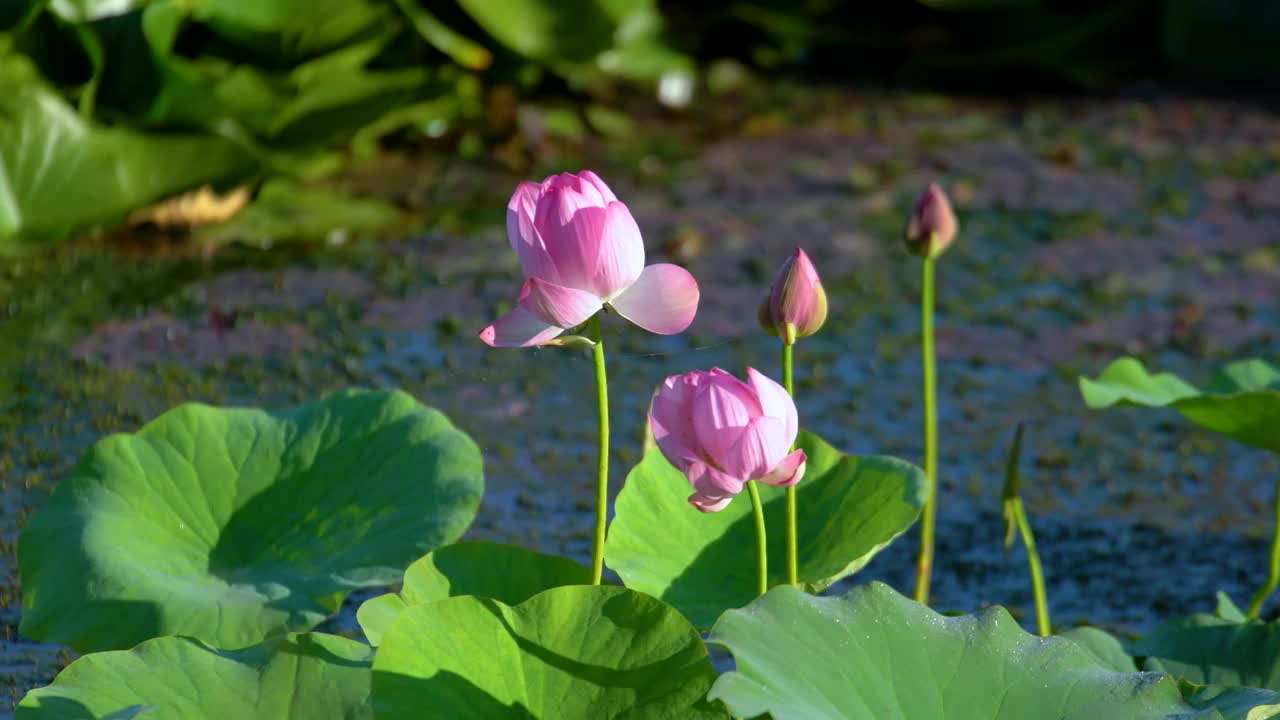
<point>110,106</point>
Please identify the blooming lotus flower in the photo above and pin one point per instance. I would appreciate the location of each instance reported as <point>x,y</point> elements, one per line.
<point>722,432</point>
<point>932,225</point>
<point>796,306</point>
<point>581,251</point>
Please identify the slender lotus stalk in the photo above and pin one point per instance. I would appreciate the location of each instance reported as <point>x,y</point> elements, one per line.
<point>1273,573</point>
<point>1015,515</point>
<point>726,435</point>
<point>581,252</point>
<point>930,231</point>
<point>602,463</point>
<point>796,307</point>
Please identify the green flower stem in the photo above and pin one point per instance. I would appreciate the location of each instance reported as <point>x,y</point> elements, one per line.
<point>793,563</point>
<point>1273,575</point>
<point>1015,515</point>
<point>924,569</point>
<point>602,468</point>
<point>762,545</point>
<point>1019,513</point>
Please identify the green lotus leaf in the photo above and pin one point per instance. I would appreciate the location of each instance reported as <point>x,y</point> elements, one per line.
<point>307,676</point>
<point>1228,610</point>
<point>1210,650</point>
<point>848,509</point>
<point>1242,402</point>
<point>568,30</point>
<point>876,654</point>
<point>1233,703</point>
<point>47,150</point>
<point>231,525</point>
<point>1104,647</point>
<point>570,653</point>
<point>505,573</point>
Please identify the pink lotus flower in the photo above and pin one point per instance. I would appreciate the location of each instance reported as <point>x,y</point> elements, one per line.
<point>796,305</point>
<point>581,251</point>
<point>722,432</point>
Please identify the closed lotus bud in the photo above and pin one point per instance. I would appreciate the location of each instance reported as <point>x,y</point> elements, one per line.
<point>933,225</point>
<point>796,306</point>
<point>722,433</point>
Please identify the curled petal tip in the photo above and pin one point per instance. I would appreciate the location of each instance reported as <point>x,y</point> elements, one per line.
<point>518,328</point>
<point>788,472</point>
<point>708,504</point>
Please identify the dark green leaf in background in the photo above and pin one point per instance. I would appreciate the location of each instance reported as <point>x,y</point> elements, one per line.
<point>1210,650</point>
<point>60,173</point>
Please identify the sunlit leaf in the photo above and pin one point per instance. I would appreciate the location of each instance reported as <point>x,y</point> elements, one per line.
<point>848,509</point>
<point>1242,402</point>
<point>570,653</point>
<point>308,676</point>
<point>233,524</point>
<point>876,654</point>
<point>505,573</point>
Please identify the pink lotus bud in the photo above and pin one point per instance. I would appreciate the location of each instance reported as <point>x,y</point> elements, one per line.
<point>797,305</point>
<point>722,433</point>
<point>933,225</point>
<point>581,251</point>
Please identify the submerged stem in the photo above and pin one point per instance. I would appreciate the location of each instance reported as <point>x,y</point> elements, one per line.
<point>602,468</point>
<point>762,545</point>
<point>793,562</point>
<point>1273,574</point>
<point>924,569</point>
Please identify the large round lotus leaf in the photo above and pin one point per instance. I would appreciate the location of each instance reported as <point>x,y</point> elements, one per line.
<point>1207,649</point>
<point>505,573</point>
<point>848,509</point>
<point>1242,402</point>
<point>876,655</point>
<point>233,525</point>
<point>308,676</point>
<point>570,653</point>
